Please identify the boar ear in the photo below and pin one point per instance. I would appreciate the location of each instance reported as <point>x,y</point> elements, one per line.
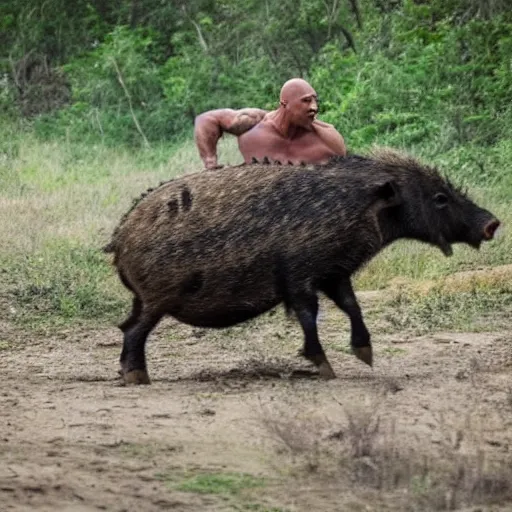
<point>389,192</point>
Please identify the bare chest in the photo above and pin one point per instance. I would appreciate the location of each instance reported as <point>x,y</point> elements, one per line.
<point>308,147</point>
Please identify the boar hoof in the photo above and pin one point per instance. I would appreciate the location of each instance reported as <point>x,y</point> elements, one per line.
<point>325,371</point>
<point>324,368</point>
<point>136,377</point>
<point>364,354</point>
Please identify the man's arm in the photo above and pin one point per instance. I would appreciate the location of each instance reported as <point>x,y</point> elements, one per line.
<point>330,136</point>
<point>209,127</point>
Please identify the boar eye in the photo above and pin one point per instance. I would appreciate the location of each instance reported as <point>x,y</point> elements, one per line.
<point>440,200</point>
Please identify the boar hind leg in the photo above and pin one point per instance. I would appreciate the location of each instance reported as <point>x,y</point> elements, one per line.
<point>306,310</point>
<point>136,331</point>
<point>134,315</point>
<point>341,292</point>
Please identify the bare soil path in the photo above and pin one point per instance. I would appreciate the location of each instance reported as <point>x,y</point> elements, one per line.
<point>234,420</point>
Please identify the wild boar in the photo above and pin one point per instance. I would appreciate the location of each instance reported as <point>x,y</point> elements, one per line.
<point>216,248</point>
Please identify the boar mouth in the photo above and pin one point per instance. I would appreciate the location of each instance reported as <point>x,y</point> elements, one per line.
<point>490,229</point>
<point>487,233</point>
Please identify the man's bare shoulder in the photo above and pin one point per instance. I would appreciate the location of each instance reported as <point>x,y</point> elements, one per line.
<point>323,124</point>
<point>245,119</point>
<point>330,136</point>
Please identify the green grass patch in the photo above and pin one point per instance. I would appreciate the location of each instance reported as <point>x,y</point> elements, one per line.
<point>220,483</point>
<point>4,345</point>
<point>478,309</point>
<point>63,283</point>
<point>338,347</point>
<point>233,488</point>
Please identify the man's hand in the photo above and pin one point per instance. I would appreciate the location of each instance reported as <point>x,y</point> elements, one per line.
<point>211,163</point>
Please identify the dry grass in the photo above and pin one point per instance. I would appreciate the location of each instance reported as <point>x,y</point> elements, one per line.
<point>373,453</point>
<point>53,195</point>
<point>478,300</point>
<point>59,204</point>
<point>468,281</point>
<point>62,197</point>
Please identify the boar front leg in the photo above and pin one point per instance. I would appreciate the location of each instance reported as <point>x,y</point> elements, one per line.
<point>340,291</point>
<point>305,307</point>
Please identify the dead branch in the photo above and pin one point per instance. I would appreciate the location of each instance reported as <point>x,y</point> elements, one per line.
<point>357,12</point>
<point>202,41</point>
<point>129,98</point>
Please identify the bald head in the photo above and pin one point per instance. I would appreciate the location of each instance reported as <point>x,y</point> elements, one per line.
<point>298,103</point>
<point>294,89</point>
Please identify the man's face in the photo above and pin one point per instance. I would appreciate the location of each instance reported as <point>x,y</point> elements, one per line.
<point>303,109</point>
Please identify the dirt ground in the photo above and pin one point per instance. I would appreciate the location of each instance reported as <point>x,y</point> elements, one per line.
<point>234,420</point>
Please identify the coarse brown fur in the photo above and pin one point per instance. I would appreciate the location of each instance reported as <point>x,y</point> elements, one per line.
<point>238,230</point>
<point>220,247</point>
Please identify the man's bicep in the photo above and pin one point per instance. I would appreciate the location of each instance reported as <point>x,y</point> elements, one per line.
<point>228,120</point>
<point>220,119</point>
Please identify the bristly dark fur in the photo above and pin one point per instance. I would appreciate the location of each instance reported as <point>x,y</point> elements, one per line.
<point>385,155</point>
<point>111,246</point>
<point>395,158</point>
<point>219,247</point>
<point>457,189</point>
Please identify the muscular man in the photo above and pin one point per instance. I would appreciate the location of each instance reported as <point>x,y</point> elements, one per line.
<point>292,133</point>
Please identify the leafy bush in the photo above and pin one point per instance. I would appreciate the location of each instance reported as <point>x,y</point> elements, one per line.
<point>447,86</point>
<point>432,75</point>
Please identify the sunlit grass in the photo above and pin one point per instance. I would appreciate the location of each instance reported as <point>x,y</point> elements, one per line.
<point>60,202</point>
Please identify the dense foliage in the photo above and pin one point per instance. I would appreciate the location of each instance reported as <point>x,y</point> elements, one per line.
<point>87,86</point>
<point>403,72</point>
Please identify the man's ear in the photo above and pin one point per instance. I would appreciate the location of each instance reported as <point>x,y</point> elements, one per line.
<point>283,103</point>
